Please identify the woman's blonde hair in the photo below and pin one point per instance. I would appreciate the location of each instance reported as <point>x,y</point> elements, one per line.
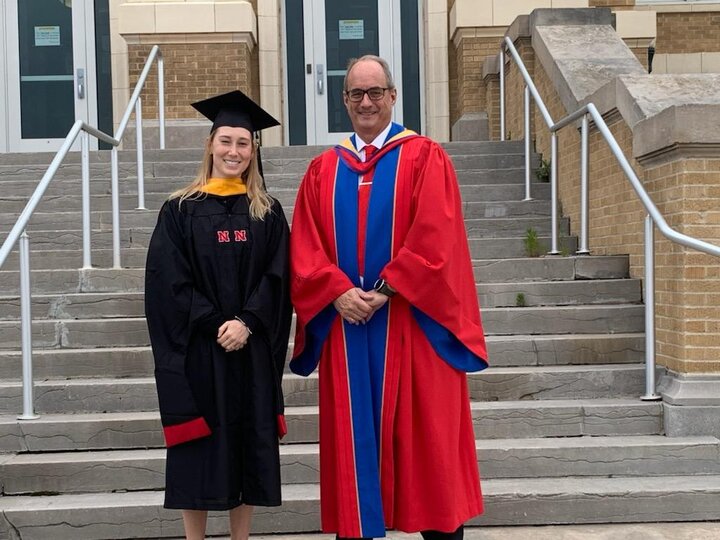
<point>260,201</point>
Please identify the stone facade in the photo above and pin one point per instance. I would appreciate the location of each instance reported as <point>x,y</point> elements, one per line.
<point>193,71</point>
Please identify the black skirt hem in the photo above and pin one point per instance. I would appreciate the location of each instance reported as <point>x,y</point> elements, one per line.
<point>176,505</point>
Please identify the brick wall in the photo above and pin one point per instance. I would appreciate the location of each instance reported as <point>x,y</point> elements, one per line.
<point>614,4</point>
<point>641,53</point>
<point>688,32</point>
<point>195,71</point>
<point>467,90</point>
<point>492,105</point>
<point>514,86</point>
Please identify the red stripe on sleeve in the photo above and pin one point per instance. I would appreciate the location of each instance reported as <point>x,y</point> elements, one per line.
<point>187,431</point>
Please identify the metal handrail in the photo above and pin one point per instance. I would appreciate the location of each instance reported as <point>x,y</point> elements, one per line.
<point>19,233</point>
<point>653,218</point>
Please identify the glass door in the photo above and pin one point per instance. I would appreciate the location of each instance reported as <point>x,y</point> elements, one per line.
<point>340,31</point>
<point>50,71</point>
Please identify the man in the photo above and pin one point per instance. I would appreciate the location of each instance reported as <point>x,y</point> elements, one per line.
<point>386,304</point>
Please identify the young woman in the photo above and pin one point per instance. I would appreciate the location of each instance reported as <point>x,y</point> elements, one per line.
<point>218,313</point>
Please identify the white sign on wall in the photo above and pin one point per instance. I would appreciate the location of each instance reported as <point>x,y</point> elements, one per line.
<point>47,36</point>
<point>351,29</point>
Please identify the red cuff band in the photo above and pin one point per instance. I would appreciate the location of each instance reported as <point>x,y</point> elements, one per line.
<point>282,426</point>
<point>187,431</point>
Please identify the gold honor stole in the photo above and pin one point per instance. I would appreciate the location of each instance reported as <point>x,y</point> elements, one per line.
<point>224,187</point>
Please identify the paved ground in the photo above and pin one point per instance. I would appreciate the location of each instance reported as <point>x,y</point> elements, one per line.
<point>644,531</point>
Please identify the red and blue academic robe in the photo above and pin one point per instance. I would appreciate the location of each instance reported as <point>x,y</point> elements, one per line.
<point>397,447</point>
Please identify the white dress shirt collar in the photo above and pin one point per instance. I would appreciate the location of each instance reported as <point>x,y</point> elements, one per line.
<point>377,142</point>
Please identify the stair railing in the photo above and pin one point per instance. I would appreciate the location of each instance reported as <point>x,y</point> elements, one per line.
<point>653,217</point>
<point>19,233</point>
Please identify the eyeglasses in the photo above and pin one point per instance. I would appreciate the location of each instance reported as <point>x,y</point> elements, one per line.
<point>357,94</point>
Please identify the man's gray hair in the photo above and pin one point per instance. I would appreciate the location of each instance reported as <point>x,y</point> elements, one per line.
<point>389,82</point>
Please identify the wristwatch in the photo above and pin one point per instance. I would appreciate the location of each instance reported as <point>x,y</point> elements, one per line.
<point>382,287</point>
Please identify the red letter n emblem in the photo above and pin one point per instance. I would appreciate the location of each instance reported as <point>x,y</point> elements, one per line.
<point>241,236</point>
<point>223,236</point>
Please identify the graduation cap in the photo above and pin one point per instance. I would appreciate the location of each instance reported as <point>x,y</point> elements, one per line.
<point>235,109</point>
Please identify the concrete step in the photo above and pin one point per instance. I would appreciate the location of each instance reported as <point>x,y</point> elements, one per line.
<point>165,185</point>
<point>510,209</point>
<point>551,268</point>
<point>509,502</point>
<point>269,152</point>
<point>78,306</point>
<point>492,420</point>
<point>456,148</point>
<point>271,165</point>
<point>132,332</point>
<point>503,192</point>
<point>513,227</point>
<point>548,268</point>
<point>479,230</point>
<point>117,362</point>
<point>553,350</point>
<point>54,396</point>
<point>503,351</point>
<point>58,239</point>
<point>560,293</point>
<point>598,319</point>
<point>86,333</point>
<point>491,217</point>
<point>70,200</point>
<point>77,280</point>
<point>136,470</point>
<point>684,530</point>
<point>102,258</point>
<point>100,220</point>
<point>48,275</point>
<point>513,247</point>
<point>109,303</point>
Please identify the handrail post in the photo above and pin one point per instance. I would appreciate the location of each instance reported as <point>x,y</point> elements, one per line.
<point>554,195</point>
<point>26,329</point>
<point>584,188</point>
<point>502,93</point>
<point>115,207</point>
<point>650,394</point>
<point>86,223</point>
<point>140,157</point>
<point>526,101</point>
<point>161,99</point>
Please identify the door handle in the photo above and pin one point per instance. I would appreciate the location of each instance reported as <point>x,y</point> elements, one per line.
<point>81,83</point>
<point>319,72</point>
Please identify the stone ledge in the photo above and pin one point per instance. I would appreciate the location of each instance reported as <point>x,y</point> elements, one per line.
<point>684,389</point>
<point>471,127</point>
<point>520,28</point>
<point>563,52</point>
<point>491,66</point>
<point>571,17</point>
<point>693,127</point>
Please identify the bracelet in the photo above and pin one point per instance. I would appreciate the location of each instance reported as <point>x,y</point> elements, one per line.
<point>243,323</point>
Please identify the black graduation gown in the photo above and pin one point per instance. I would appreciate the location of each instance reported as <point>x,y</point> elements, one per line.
<point>207,263</point>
